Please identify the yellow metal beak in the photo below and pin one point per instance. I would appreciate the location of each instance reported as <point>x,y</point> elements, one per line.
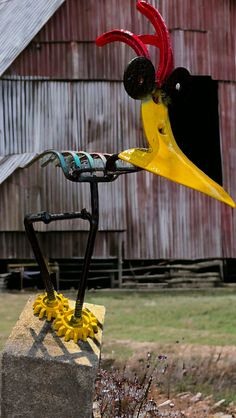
<point>164,157</point>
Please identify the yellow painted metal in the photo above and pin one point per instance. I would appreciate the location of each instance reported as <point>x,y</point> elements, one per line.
<point>43,307</point>
<point>76,329</point>
<point>164,157</point>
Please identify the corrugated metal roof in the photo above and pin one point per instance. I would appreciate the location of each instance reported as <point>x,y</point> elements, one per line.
<point>10,163</point>
<point>20,21</point>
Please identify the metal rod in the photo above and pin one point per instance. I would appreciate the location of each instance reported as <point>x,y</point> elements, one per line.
<point>94,218</point>
<point>47,217</point>
<point>30,232</point>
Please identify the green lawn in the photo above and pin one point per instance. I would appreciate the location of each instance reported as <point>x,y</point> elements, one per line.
<point>201,317</point>
<point>207,317</point>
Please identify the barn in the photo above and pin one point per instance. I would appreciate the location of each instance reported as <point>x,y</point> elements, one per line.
<point>59,91</point>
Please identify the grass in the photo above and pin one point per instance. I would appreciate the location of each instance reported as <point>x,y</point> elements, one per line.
<point>205,317</point>
<point>202,317</point>
<point>11,305</point>
<point>193,318</point>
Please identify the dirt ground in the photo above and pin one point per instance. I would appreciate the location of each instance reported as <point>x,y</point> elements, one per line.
<point>216,364</point>
<point>190,380</point>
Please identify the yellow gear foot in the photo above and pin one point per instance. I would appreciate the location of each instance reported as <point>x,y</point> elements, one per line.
<point>76,329</point>
<point>43,307</point>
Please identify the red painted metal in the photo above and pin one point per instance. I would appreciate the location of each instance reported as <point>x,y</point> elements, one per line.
<point>161,40</point>
<point>166,63</point>
<point>124,36</point>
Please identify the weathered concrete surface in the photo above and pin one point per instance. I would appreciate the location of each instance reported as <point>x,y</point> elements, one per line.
<point>44,376</point>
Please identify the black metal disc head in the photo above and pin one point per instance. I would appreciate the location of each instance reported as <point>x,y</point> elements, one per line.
<point>139,78</point>
<point>178,85</point>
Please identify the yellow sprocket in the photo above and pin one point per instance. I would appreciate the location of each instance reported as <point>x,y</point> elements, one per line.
<point>43,307</point>
<point>76,329</point>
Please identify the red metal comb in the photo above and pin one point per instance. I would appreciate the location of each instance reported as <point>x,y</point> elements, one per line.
<point>124,36</point>
<point>161,40</point>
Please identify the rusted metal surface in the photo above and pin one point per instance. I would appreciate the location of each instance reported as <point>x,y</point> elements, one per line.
<point>45,115</point>
<point>91,217</point>
<point>203,40</point>
<point>64,25</point>
<point>227,96</point>
<point>18,193</point>
<point>20,22</point>
<point>98,115</point>
<point>59,244</point>
<point>35,188</point>
<point>83,20</point>
<point>85,167</point>
<point>72,60</point>
<point>170,221</point>
<point>191,50</point>
<point>67,115</point>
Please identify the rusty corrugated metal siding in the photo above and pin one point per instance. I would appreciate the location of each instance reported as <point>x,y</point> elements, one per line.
<point>44,115</point>
<point>170,221</point>
<point>203,39</point>
<point>58,245</point>
<point>36,189</point>
<point>39,115</point>
<point>162,220</point>
<point>227,95</point>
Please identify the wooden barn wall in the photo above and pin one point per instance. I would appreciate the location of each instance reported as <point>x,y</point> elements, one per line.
<point>87,108</point>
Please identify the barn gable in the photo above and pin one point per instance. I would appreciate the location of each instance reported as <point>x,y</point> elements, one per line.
<point>20,21</point>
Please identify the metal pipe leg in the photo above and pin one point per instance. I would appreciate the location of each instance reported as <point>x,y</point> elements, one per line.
<point>31,235</point>
<point>94,219</point>
<point>46,218</point>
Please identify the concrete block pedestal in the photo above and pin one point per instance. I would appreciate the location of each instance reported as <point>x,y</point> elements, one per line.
<point>45,377</point>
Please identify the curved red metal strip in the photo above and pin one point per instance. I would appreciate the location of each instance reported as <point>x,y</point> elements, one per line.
<point>153,40</point>
<point>150,40</point>
<point>166,57</point>
<point>153,16</point>
<point>124,36</point>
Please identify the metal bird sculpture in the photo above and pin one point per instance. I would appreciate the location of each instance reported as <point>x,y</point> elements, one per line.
<point>154,88</point>
<point>163,157</point>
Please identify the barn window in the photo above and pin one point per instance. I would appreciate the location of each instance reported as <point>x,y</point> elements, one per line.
<point>195,124</point>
